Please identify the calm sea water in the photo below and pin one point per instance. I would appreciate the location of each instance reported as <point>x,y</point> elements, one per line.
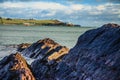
<point>66,36</point>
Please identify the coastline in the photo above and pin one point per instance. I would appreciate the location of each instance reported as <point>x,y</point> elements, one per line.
<point>47,59</point>
<point>33,22</point>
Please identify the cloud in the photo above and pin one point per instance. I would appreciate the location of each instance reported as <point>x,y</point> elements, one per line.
<point>101,7</point>
<point>33,5</point>
<point>77,7</point>
<point>11,5</point>
<point>83,14</point>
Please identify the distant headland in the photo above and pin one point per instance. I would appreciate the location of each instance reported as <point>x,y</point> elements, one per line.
<point>34,22</point>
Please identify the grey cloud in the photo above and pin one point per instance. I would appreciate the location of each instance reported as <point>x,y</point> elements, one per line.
<point>82,17</point>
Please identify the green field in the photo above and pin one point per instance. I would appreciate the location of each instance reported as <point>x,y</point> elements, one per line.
<point>30,22</point>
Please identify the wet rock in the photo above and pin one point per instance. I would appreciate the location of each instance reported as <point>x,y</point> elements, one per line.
<point>45,49</point>
<point>96,56</point>
<point>14,67</point>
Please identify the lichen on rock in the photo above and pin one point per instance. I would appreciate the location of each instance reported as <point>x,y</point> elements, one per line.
<point>45,49</point>
<point>15,67</point>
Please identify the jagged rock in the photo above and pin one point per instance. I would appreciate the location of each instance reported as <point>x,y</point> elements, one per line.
<point>111,25</point>
<point>96,56</point>
<point>23,46</point>
<point>14,67</point>
<point>44,70</point>
<point>45,49</point>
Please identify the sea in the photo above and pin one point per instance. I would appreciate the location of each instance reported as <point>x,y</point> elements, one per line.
<point>16,34</point>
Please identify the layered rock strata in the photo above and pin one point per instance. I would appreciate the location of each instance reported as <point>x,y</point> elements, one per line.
<point>14,67</point>
<point>45,49</point>
<point>96,56</point>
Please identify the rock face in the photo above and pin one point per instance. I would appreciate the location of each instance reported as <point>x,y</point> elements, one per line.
<point>48,53</point>
<point>45,49</point>
<point>14,67</point>
<point>96,56</point>
<point>44,70</point>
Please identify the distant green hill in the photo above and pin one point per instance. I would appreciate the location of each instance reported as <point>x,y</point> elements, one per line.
<point>30,22</point>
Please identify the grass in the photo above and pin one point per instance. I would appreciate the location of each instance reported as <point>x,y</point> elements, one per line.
<point>31,21</point>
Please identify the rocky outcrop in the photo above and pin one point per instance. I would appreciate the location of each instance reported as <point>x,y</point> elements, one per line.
<point>45,49</point>
<point>23,46</point>
<point>14,67</point>
<point>48,53</point>
<point>44,70</point>
<point>96,56</point>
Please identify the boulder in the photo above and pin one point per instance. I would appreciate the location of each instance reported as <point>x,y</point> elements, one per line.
<point>96,56</point>
<point>14,67</point>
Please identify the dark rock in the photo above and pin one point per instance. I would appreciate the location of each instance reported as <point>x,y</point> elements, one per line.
<point>44,70</point>
<point>45,49</point>
<point>48,53</point>
<point>23,46</point>
<point>14,67</point>
<point>96,56</point>
<point>111,25</point>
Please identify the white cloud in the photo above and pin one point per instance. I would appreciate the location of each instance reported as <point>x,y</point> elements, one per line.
<point>68,9</point>
<point>11,5</point>
<point>95,12</point>
<point>77,7</point>
<point>101,7</point>
<point>33,5</point>
<point>50,5</point>
<point>71,11</point>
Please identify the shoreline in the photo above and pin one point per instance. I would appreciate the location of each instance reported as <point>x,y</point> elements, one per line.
<point>34,22</point>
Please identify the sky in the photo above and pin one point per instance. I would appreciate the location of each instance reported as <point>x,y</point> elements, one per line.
<point>82,12</point>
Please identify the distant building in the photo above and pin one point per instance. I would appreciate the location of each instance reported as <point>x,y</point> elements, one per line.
<point>26,24</point>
